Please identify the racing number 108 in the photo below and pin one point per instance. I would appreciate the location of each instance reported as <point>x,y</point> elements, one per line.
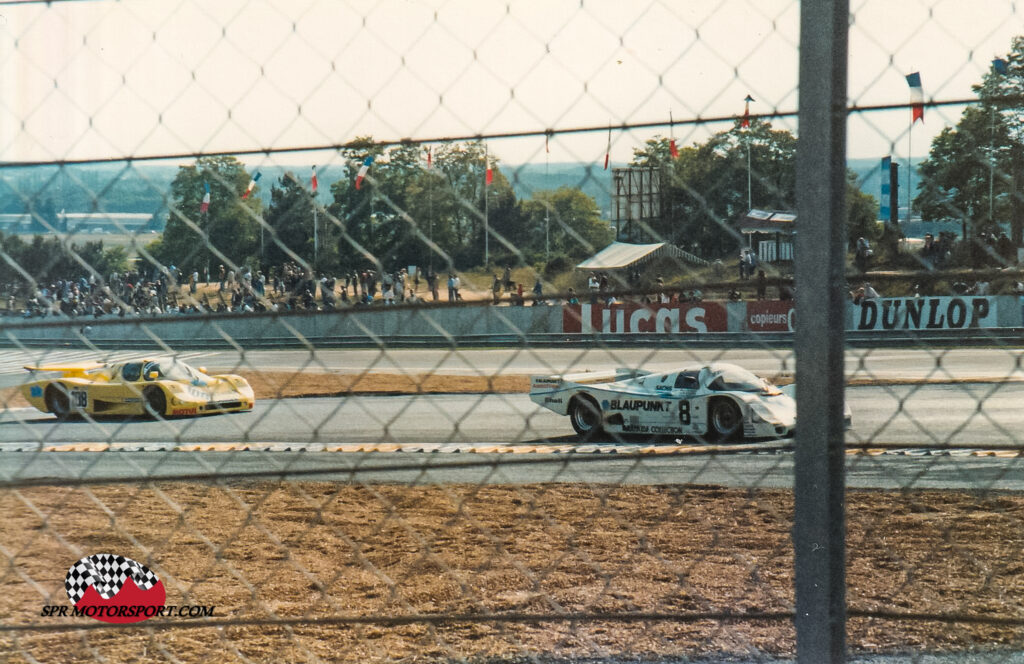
<point>684,412</point>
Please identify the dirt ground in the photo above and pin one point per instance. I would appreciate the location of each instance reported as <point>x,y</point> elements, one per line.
<point>316,550</point>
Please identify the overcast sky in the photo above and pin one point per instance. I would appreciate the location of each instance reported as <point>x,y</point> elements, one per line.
<point>100,79</point>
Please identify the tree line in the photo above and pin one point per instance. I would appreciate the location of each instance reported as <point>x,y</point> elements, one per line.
<point>407,211</point>
<point>46,259</point>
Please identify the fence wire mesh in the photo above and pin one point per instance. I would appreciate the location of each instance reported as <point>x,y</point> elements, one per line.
<point>453,331</point>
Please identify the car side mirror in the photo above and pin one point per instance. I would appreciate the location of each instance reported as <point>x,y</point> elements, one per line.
<point>153,375</point>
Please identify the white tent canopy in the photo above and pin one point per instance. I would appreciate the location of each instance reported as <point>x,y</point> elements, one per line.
<point>619,255</point>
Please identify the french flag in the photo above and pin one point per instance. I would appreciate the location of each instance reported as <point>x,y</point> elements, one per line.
<point>916,97</point>
<point>362,171</point>
<point>205,206</point>
<point>313,182</point>
<point>252,185</point>
<point>746,112</point>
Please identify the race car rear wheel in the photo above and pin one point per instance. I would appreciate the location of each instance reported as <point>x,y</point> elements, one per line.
<point>585,415</point>
<point>724,419</point>
<point>155,401</point>
<point>57,401</point>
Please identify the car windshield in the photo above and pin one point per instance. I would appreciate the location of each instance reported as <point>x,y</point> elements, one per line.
<point>739,380</point>
<point>175,370</point>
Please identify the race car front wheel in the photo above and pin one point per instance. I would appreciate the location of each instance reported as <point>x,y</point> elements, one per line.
<point>725,419</point>
<point>155,401</point>
<point>585,416</point>
<point>57,401</point>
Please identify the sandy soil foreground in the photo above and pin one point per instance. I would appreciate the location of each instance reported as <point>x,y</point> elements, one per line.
<point>265,551</point>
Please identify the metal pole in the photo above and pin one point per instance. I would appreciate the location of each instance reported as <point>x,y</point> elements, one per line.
<point>819,515</point>
<point>750,196</point>
<point>991,165</point>
<point>910,172</point>
<point>487,257</point>
<point>547,208</point>
<point>316,244</point>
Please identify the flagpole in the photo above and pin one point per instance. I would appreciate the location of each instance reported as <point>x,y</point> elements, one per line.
<point>547,208</point>
<point>910,172</point>
<point>746,135</point>
<point>750,195</point>
<point>316,244</point>
<point>487,258</point>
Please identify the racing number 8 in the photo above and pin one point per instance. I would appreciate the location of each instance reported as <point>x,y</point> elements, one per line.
<point>684,412</point>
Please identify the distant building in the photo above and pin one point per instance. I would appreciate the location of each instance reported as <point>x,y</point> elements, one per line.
<point>85,223</point>
<point>15,223</point>
<point>110,222</point>
<point>769,234</point>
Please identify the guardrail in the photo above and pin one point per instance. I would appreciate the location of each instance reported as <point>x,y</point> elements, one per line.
<point>146,334</point>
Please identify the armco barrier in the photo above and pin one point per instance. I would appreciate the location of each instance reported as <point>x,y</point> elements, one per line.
<point>714,324</point>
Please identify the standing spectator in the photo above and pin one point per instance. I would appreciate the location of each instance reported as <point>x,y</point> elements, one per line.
<point>507,277</point>
<point>451,287</point>
<point>458,286</point>
<point>862,254</point>
<point>194,284</point>
<point>743,264</point>
<point>538,293</point>
<point>221,277</point>
<point>762,285</point>
<point>496,289</point>
<point>432,284</point>
<point>594,284</point>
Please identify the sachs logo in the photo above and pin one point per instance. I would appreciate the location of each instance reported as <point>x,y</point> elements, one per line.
<point>114,589</point>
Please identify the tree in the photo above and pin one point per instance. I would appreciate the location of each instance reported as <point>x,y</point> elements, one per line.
<point>226,233</point>
<point>861,213</point>
<point>704,190</point>
<point>289,223</point>
<point>972,174</point>
<point>569,218</point>
<point>407,214</point>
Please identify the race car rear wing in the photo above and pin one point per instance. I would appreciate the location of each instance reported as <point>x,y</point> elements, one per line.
<point>69,370</point>
<point>584,378</point>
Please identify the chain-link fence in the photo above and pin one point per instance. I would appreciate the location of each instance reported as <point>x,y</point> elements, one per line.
<point>467,331</point>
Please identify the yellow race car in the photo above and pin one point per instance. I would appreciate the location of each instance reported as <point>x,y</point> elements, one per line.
<point>159,387</point>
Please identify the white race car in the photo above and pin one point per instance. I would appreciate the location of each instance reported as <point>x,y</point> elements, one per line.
<point>713,401</point>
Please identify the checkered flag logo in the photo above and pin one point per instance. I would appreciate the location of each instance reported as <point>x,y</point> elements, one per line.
<point>106,573</point>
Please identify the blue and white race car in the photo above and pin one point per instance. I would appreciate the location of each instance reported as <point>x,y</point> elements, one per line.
<point>718,401</point>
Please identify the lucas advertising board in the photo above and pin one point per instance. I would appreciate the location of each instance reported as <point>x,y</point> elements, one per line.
<point>632,318</point>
